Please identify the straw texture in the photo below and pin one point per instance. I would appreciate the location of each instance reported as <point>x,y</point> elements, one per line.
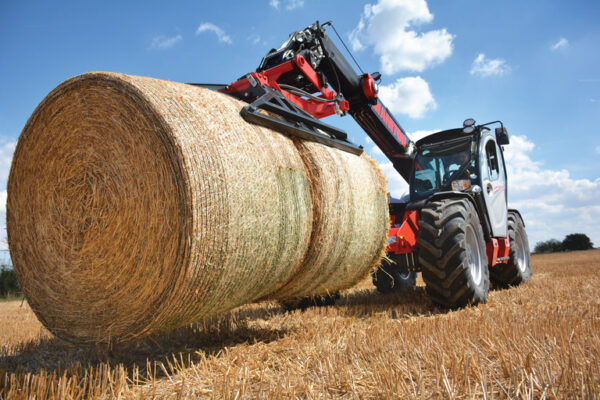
<point>350,221</point>
<point>137,205</point>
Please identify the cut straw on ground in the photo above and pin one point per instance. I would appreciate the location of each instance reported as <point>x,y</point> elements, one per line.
<point>539,340</point>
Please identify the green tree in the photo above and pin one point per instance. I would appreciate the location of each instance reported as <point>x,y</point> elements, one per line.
<point>577,241</point>
<point>9,285</point>
<point>548,246</point>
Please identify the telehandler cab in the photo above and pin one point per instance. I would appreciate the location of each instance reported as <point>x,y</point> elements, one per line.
<point>454,226</point>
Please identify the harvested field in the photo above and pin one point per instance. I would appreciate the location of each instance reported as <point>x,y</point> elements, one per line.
<point>540,340</point>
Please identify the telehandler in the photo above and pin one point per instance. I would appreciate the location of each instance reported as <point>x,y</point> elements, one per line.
<point>454,226</point>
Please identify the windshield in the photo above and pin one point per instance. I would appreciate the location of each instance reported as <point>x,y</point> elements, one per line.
<point>438,164</point>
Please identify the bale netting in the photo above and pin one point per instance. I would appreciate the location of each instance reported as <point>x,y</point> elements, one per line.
<point>137,206</point>
<point>350,222</point>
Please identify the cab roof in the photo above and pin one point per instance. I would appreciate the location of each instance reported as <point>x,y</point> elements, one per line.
<point>444,135</point>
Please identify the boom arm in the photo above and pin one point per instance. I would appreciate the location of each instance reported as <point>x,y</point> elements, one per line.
<point>308,78</point>
<point>365,106</point>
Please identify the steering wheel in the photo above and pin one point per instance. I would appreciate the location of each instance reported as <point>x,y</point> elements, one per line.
<point>461,173</point>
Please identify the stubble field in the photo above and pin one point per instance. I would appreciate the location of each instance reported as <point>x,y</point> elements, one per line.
<point>539,340</point>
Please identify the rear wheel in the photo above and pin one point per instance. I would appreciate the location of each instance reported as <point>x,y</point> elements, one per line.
<point>518,268</point>
<point>452,253</point>
<point>393,276</point>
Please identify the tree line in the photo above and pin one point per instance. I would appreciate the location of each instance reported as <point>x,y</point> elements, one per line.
<point>572,242</point>
<point>9,285</point>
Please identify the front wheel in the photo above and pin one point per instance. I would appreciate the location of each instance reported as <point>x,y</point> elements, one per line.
<point>518,268</point>
<point>452,253</point>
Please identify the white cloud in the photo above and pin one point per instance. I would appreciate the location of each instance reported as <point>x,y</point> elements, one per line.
<point>255,39</point>
<point>292,4</point>
<point>552,203</point>
<point>210,27</point>
<point>289,4</point>
<point>6,152</point>
<point>410,96</point>
<point>4,254</point>
<point>484,67</point>
<point>162,42</point>
<point>376,153</point>
<point>418,135</point>
<point>561,44</point>
<point>389,25</point>
<point>396,185</point>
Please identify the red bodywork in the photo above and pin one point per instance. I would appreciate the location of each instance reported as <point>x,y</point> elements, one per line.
<point>402,236</point>
<point>498,250</point>
<point>404,230</point>
<point>387,119</point>
<point>368,87</point>
<point>269,77</point>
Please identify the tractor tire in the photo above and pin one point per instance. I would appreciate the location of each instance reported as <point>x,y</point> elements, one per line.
<point>452,253</point>
<point>393,276</point>
<point>518,269</point>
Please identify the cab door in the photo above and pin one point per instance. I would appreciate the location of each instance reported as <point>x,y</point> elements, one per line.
<point>493,182</point>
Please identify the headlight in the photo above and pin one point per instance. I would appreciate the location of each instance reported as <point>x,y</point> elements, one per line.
<point>461,184</point>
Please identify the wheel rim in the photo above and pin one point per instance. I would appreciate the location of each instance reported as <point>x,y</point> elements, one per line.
<point>404,275</point>
<point>474,255</point>
<point>520,252</point>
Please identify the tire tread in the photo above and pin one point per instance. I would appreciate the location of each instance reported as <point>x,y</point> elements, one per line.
<point>442,253</point>
<point>506,275</point>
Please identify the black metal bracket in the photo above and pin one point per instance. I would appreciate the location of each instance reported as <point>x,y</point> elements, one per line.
<point>295,121</point>
<point>211,86</point>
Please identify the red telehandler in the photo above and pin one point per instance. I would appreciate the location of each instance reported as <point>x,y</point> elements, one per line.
<point>454,226</point>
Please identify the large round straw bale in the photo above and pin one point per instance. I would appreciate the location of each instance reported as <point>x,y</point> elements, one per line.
<point>137,205</point>
<point>350,221</point>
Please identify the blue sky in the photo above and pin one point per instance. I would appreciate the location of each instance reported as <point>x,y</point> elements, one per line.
<point>534,65</point>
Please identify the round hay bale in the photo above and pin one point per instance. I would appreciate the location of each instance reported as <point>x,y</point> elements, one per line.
<point>350,222</point>
<point>137,205</point>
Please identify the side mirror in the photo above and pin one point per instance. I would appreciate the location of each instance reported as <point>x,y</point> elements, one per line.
<point>502,136</point>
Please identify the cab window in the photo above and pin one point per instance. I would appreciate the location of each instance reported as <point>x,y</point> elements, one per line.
<point>492,160</point>
<point>437,165</point>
